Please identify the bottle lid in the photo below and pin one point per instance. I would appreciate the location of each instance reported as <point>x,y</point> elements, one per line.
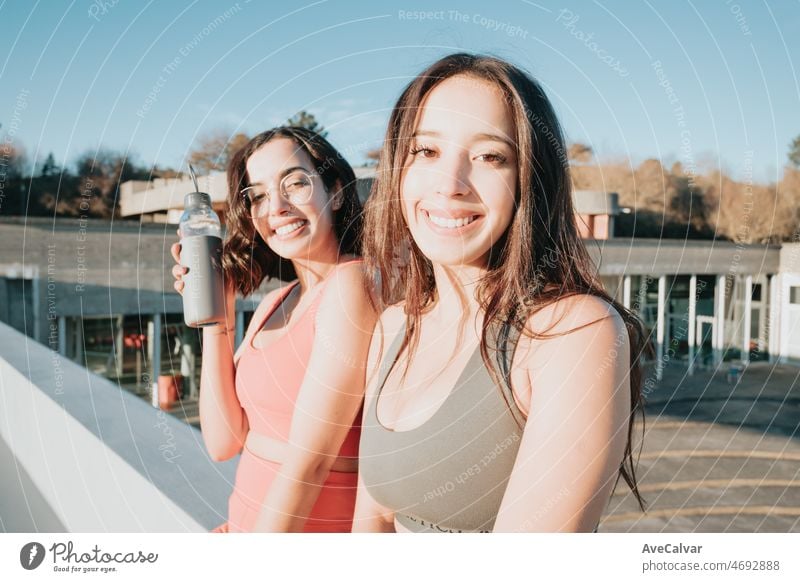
<point>195,199</point>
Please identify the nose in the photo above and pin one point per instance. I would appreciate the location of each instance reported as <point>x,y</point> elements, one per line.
<point>451,175</point>
<point>278,205</point>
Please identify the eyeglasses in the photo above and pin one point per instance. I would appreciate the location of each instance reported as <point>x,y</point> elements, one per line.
<point>296,188</point>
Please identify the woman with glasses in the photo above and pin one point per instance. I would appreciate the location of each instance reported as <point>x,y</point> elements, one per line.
<point>289,399</point>
<point>505,378</point>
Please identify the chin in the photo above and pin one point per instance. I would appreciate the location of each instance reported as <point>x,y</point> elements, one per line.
<point>449,259</point>
<point>289,251</point>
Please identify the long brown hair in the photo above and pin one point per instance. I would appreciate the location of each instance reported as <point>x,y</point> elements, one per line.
<point>540,258</point>
<point>246,259</point>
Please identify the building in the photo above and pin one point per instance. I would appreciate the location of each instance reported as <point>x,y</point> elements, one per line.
<point>100,293</point>
<point>161,200</point>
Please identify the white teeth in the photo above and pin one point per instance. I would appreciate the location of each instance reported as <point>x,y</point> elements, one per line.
<point>289,228</point>
<point>450,222</point>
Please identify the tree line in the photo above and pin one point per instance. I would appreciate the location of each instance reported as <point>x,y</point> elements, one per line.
<point>660,202</point>
<point>95,177</point>
<point>676,203</point>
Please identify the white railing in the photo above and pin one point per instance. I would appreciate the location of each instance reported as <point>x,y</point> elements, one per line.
<point>79,454</point>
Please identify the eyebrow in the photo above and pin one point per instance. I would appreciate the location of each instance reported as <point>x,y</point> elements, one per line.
<point>282,175</point>
<point>478,137</point>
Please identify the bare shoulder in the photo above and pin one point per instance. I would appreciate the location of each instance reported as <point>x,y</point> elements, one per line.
<point>575,312</point>
<point>352,275</point>
<point>575,327</point>
<point>584,349</point>
<point>346,289</point>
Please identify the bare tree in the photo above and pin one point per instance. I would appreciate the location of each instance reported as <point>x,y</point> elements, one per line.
<point>579,152</point>
<point>215,149</point>
<point>373,156</point>
<point>12,169</point>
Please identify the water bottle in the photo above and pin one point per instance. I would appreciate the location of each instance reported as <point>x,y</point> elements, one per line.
<point>201,254</point>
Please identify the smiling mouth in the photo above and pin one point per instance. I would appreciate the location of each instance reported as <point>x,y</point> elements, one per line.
<point>289,228</point>
<point>451,223</point>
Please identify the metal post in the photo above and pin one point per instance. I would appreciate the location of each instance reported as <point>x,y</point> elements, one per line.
<point>239,328</point>
<point>62,336</point>
<point>35,306</point>
<point>79,341</point>
<point>774,320</point>
<point>667,321</point>
<point>763,304</point>
<point>626,291</point>
<point>690,339</point>
<point>187,361</point>
<point>719,316</point>
<point>747,317</point>
<point>154,354</point>
<point>662,295</point>
<point>120,345</point>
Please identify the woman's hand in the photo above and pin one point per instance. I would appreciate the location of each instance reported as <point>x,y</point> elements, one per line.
<point>178,270</point>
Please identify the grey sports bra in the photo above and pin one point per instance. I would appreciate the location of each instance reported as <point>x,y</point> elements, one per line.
<point>450,473</point>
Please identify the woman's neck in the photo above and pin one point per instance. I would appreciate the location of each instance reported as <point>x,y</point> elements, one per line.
<point>455,290</point>
<point>311,271</point>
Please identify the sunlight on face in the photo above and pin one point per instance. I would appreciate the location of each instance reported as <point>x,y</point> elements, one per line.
<point>460,179</point>
<point>293,231</point>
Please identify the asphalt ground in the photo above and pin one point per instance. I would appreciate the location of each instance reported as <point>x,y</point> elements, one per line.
<point>718,454</point>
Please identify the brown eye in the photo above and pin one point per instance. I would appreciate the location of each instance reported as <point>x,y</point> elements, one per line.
<point>296,185</point>
<point>493,158</point>
<point>422,152</point>
<point>254,196</point>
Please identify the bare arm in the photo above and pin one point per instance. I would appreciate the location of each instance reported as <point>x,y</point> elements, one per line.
<point>370,516</point>
<point>575,435</point>
<point>224,423</point>
<point>328,402</point>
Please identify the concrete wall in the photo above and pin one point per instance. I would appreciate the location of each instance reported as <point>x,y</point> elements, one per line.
<point>595,202</point>
<point>140,197</point>
<point>656,257</point>
<point>92,267</point>
<point>790,258</point>
<point>78,454</point>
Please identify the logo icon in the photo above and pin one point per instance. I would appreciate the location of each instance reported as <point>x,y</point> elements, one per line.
<point>31,555</point>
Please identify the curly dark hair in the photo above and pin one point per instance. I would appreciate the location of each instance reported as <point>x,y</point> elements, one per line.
<point>247,260</point>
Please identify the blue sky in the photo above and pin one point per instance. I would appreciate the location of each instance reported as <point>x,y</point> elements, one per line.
<point>711,84</point>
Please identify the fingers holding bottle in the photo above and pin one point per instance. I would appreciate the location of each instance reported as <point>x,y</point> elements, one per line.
<point>178,270</point>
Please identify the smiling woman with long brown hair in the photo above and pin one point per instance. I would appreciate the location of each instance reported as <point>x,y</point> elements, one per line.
<point>289,398</point>
<point>504,378</point>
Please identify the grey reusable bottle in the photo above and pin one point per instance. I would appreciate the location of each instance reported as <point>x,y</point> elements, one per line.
<point>201,253</point>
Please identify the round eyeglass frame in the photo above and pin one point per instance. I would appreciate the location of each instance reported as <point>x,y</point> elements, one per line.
<point>292,198</point>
